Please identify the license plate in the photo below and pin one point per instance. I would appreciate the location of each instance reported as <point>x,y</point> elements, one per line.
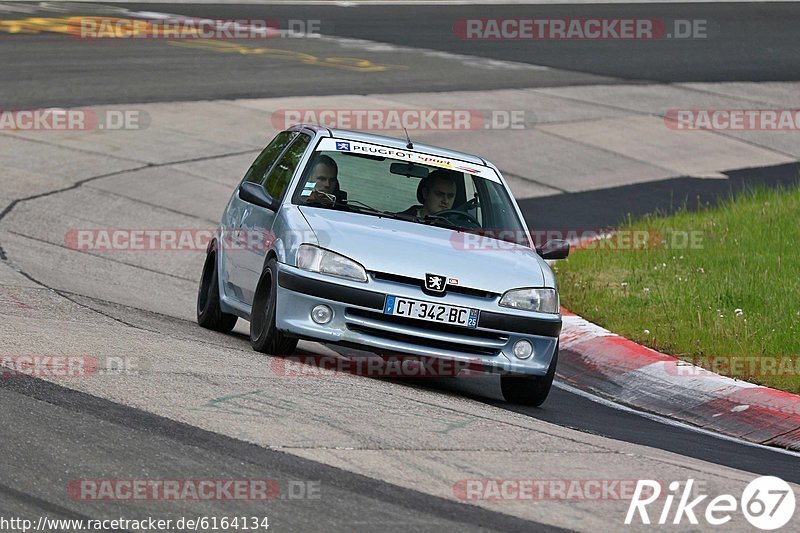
<point>432,312</point>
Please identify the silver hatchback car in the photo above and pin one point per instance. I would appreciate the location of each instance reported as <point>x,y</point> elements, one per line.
<point>387,246</point>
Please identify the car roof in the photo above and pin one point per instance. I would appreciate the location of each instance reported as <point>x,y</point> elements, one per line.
<point>392,142</point>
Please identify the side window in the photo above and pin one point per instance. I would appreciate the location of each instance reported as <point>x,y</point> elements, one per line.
<point>267,157</point>
<point>281,174</point>
<point>498,210</point>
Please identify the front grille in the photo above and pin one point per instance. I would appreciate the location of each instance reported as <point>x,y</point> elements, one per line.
<point>423,324</point>
<point>465,340</point>
<point>411,339</point>
<point>414,282</point>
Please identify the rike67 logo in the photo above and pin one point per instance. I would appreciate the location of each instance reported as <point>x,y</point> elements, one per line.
<point>767,502</point>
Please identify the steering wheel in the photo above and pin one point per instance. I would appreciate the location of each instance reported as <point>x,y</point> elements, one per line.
<point>469,204</point>
<point>456,213</point>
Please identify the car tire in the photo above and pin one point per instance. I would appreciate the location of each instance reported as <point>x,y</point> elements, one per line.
<point>209,312</point>
<point>529,390</point>
<point>264,336</point>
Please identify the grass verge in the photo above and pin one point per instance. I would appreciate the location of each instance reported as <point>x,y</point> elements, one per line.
<point>719,287</point>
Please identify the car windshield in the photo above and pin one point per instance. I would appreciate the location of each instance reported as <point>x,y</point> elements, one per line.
<point>409,186</point>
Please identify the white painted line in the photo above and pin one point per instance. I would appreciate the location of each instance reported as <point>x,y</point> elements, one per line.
<point>667,421</point>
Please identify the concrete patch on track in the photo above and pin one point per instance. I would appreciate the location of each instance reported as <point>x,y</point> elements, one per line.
<point>37,167</point>
<point>675,151</point>
<point>570,139</point>
<point>678,150</point>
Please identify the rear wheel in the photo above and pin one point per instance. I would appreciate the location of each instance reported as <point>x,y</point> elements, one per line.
<point>529,390</point>
<point>209,312</point>
<point>264,336</point>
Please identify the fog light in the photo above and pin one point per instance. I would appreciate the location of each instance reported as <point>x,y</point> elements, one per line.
<point>522,349</point>
<point>321,314</point>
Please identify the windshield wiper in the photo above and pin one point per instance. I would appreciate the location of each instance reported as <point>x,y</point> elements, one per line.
<point>435,220</point>
<point>318,202</point>
<point>364,208</point>
<point>362,204</point>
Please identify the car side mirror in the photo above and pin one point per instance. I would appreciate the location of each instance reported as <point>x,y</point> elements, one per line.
<point>255,193</point>
<point>554,249</point>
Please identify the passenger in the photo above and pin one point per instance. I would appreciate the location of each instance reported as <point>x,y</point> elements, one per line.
<point>437,192</point>
<point>325,175</point>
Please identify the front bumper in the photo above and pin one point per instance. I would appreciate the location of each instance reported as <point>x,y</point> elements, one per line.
<point>358,321</point>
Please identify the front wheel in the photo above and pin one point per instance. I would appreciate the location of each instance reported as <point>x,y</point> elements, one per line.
<point>529,390</point>
<point>264,336</point>
<point>209,312</point>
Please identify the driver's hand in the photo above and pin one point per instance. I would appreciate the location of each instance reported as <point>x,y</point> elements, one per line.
<point>321,197</point>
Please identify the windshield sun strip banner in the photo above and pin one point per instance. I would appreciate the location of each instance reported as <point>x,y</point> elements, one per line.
<point>339,145</point>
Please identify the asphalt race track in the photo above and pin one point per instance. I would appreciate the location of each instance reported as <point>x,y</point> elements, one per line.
<point>756,42</point>
<point>355,453</point>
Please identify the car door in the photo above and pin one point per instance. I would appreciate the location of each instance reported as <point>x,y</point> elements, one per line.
<point>232,239</point>
<point>258,221</point>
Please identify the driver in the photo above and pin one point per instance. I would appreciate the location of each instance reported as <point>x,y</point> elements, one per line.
<point>437,192</point>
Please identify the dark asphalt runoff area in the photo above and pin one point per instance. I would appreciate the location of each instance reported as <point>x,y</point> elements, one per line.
<point>53,434</point>
<point>601,209</point>
<point>70,436</point>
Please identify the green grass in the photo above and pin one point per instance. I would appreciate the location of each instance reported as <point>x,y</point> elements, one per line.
<point>735,293</point>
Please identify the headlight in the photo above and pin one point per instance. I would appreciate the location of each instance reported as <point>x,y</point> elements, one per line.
<point>314,259</point>
<point>542,300</point>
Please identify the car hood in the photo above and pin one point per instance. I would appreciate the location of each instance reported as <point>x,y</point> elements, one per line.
<point>409,249</point>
